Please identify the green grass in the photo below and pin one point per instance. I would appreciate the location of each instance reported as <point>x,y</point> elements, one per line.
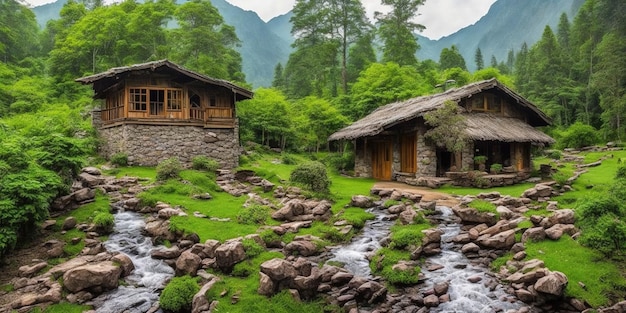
<point>403,236</point>
<point>514,190</point>
<point>250,300</point>
<point>391,258</point>
<point>65,307</point>
<point>483,206</point>
<point>134,171</point>
<point>356,217</point>
<point>602,279</point>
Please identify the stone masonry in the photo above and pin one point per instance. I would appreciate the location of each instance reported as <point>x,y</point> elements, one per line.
<point>150,144</point>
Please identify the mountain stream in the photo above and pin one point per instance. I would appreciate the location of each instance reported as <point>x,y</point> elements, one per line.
<point>149,276</point>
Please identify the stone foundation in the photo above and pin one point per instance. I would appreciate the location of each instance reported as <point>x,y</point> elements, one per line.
<point>150,144</point>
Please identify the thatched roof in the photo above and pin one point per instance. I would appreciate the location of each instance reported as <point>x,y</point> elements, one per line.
<point>103,81</point>
<point>491,127</point>
<point>395,113</point>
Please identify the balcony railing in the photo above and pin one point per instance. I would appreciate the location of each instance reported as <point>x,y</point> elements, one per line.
<point>215,116</point>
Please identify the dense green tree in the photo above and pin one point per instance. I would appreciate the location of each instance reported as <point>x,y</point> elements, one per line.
<point>460,77</point>
<point>610,81</point>
<point>319,119</point>
<point>279,77</point>
<point>450,58</point>
<point>478,59</point>
<point>396,29</point>
<point>18,31</point>
<point>203,42</point>
<point>382,84</point>
<point>265,118</point>
<point>361,55</point>
<point>147,34</point>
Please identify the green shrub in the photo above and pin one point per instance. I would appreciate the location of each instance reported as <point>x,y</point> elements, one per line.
<point>593,208</point>
<point>560,178</point>
<point>555,154</point>
<point>496,168</point>
<point>104,221</point>
<point>340,162</point>
<point>579,135</point>
<point>243,269</point>
<point>204,163</point>
<point>384,260</point>
<point>169,168</point>
<point>288,159</point>
<point>119,159</point>
<point>269,236</point>
<point>621,172</point>
<point>312,175</point>
<point>607,235</point>
<point>252,248</point>
<point>177,295</point>
<point>254,214</point>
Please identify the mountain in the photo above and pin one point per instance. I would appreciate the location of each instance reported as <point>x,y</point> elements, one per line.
<point>507,25</point>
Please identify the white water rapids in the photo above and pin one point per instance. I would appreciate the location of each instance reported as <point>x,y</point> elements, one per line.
<point>465,296</point>
<point>149,275</point>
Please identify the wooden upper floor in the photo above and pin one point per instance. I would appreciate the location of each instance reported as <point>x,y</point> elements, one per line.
<point>165,94</point>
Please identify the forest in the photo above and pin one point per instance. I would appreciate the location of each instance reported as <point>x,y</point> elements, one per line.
<point>342,67</point>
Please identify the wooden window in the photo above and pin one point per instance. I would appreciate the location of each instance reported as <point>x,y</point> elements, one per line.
<point>487,103</point>
<point>157,101</point>
<point>174,100</point>
<point>408,154</point>
<point>213,101</point>
<point>138,99</point>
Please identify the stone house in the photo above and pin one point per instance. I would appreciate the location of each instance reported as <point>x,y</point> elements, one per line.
<point>157,110</point>
<point>499,127</point>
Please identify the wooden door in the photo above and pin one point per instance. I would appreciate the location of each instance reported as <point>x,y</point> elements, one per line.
<point>408,153</point>
<point>382,160</point>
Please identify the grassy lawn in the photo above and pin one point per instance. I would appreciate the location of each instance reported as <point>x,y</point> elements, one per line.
<point>513,191</point>
<point>602,278</point>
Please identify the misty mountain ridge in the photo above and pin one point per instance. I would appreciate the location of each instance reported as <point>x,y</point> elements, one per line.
<point>507,25</point>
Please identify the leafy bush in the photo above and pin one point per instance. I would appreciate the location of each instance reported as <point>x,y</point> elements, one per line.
<point>595,207</point>
<point>620,174</point>
<point>104,221</point>
<point>607,235</point>
<point>252,248</point>
<point>243,269</point>
<point>579,135</point>
<point>555,154</point>
<point>169,168</point>
<point>119,159</point>
<point>560,178</point>
<point>204,163</point>
<point>288,159</point>
<point>177,295</point>
<point>340,162</point>
<point>496,168</point>
<point>312,175</point>
<point>254,214</point>
<point>269,236</point>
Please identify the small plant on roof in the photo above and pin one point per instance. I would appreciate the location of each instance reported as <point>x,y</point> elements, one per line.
<point>448,127</point>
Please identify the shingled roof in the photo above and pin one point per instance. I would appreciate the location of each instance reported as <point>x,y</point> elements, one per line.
<point>102,81</point>
<point>479,126</point>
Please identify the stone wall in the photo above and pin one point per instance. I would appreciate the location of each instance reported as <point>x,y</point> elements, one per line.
<point>150,144</point>
<point>467,157</point>
<point>426,157</point>
<point>362,160</point>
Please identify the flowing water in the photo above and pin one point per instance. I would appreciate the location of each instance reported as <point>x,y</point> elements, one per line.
<point>149,275</point>
<point>465,296</point>
<point>354,255</point>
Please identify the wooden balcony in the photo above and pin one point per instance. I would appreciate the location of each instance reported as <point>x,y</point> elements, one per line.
<point>215,117</point>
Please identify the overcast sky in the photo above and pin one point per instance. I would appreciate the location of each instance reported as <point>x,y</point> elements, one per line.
<point>441,17</point>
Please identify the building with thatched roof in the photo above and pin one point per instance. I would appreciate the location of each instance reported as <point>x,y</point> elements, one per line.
<point>499,126</point>
<point>157,110</point>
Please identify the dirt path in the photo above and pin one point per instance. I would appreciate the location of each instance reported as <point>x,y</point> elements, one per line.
<point>428,194</point>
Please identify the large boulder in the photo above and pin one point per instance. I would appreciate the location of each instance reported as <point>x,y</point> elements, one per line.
<point>554,284</point>
<point>534,234</point>
<point>188,263</point>
<point>472,216</point>
<point>279,270</point>
<point>504,240</point>
<point>229,254</point>
<point>301,247</point>
<point>96,276</point>
<point>361,201</point>
<point>564,216</point>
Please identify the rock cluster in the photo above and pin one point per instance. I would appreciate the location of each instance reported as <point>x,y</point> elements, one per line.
<point>530,281</point>
<point>305,280</point>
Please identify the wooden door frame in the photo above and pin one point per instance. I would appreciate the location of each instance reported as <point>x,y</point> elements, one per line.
<point>382,160</point>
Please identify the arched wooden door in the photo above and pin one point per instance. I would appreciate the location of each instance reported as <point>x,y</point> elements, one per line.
<point>382,160</point>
